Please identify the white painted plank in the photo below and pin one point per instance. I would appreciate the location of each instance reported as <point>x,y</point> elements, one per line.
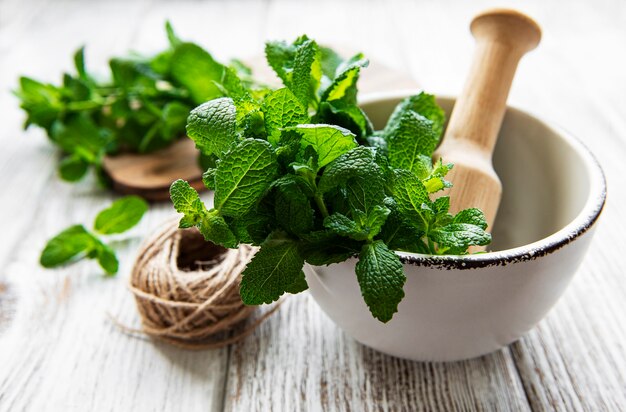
<point>299,360</point>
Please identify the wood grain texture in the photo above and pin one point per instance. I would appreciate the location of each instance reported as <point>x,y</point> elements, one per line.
<point>60,351</point>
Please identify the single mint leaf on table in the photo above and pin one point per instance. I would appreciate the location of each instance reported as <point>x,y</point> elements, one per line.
<point>74,242</point>
<point>381,278</point>
<point>66,245</point>
<point>275,269</point>
<point>281,108</point>
<point>212,126</point>
<point>106,257</point>
<point>243,176</point>
<point>186,201</point>
<point>122,215</point>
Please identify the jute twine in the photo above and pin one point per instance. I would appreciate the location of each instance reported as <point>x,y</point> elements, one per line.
<point>187,290</point>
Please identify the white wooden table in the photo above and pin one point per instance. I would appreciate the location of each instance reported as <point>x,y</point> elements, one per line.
<point>60,351</point>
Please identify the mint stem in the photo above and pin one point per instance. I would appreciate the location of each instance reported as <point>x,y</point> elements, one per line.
<point>319,200</point>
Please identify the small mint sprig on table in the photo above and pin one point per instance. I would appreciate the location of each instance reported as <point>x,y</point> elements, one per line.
<point>76,242</point>
<point>300,172</point>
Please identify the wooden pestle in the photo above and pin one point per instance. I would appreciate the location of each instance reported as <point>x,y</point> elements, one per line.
<point>502,38</point>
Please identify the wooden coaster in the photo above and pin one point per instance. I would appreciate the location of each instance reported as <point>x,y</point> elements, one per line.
<point>150,175</point>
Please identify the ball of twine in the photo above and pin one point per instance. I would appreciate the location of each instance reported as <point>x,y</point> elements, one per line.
<point>187,289</point>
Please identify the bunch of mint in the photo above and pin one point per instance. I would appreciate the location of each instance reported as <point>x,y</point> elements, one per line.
<point>76,242</point>
<point>141,108</point>
<point>300,172</point>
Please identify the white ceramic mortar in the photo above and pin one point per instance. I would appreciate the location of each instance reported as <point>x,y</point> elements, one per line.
<point>462,307</point>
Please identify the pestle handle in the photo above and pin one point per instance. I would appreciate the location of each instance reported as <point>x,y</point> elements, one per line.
<point>502,38</point>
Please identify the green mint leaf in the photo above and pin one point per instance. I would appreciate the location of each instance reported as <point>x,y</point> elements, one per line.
<point>359,161</point>
<point>410,194</point>
<point>293,208</point>
<point>399,234</point>
<point>73,168</point>
<point>299,285</point>
<point>174,118</point>
<point>243,176</point>
<point>323,247</point>
<point>423,104</point>
<point>66,245</point>
<point>212,126</point>
<point>215,229</point>
<point>275,269</point>
<point>346,115</point>
<point>472,216</point>
<point>410,141</point>
<point>82,137</point>
<point>232,85</point>
<point>343,86</point>
<point>367,191</point>
<point>186,201</point>
<point>132,72</point>
<point>280,56</point>
<point>441,205</point>
<point>307,71</point>
<point>255,226</point>
<point>122,215</point>
<point>344,226</point>
<point>298,65</point>
<point>328,141</point>
<point>79,63</point>
<point>196,70</point>
<point>459,236</point>
<point>435,181</point>
<point>281,108</point>
<point>330,61</point>
<point>173,39</point>
<point>381,278</point>
<point>208,178</point>
<point>106,257</point>
<point>42,102</point>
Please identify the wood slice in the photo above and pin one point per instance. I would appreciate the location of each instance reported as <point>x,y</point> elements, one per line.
<point>150,175</point>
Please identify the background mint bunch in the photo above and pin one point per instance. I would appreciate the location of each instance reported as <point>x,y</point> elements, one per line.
<point>300,172</point>
<point>142,107</point>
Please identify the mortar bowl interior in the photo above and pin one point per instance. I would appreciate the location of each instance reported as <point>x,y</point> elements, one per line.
<point>459,307</point>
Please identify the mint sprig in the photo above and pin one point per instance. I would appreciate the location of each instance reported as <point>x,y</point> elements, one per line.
<point>300,172</point>
<point>76,242</point>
